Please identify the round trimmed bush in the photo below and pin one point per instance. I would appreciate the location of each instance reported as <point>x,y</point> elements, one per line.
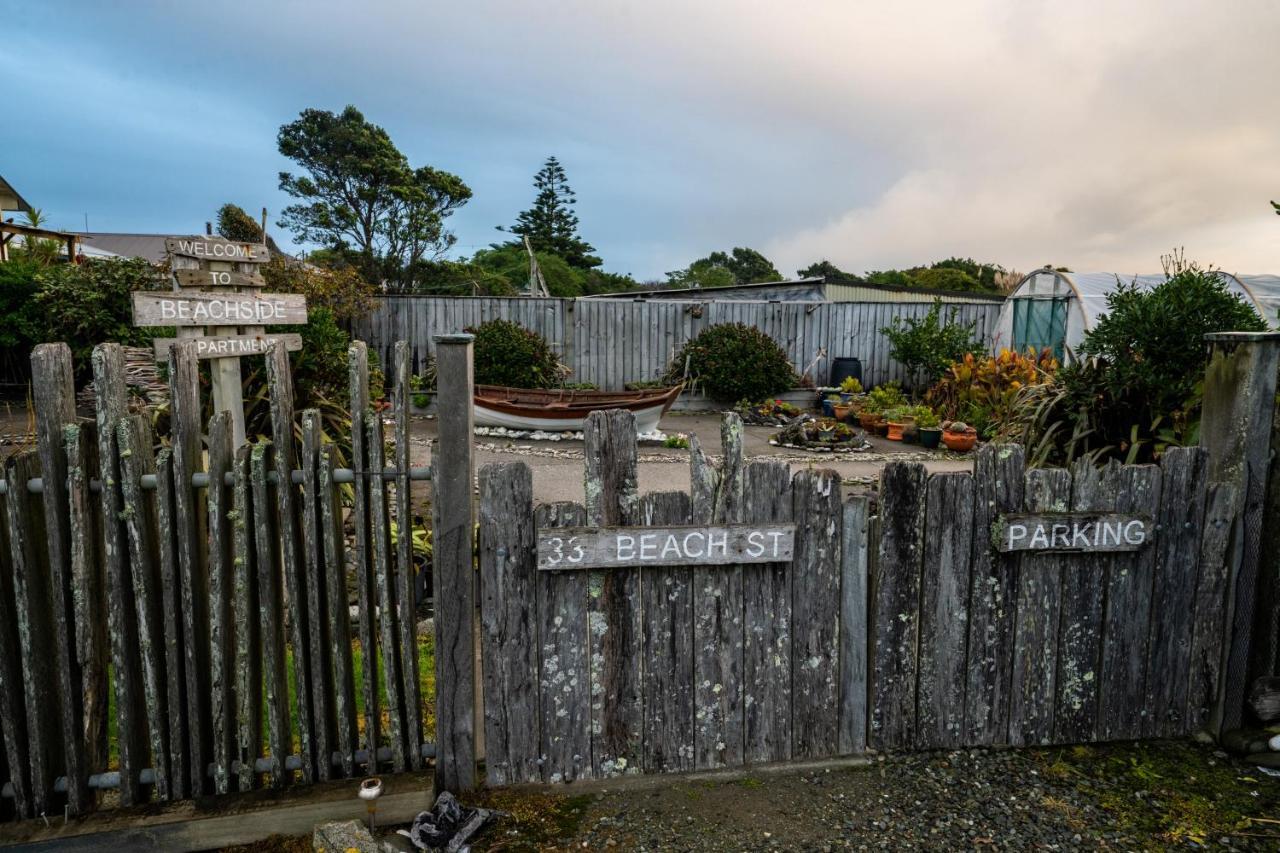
<point>507,353</point>
<point>732,362</point>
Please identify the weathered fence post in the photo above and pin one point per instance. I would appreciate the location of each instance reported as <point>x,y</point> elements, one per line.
<point>1236,430</point>
<point>453,473</point>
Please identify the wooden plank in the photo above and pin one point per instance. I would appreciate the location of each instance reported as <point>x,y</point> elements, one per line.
<point>33,605</point>
<point>196,308</point>
<point>1209,638</point>
<point>405,586</point>
<point>1038,604</point>
<point>137,460</point>
<point>718,604</point>
<point>174,631</point>
<point>53,392</point>
<point>13,713</point>
<point>217,249</point>
<point>766,619</point>
<point>131,738</point>
<point>266,543</point>
<point>855,547</point>
<point>335,568</point>
<point>1183,475</point>
<point>1075,713</point>
<point>198,278</point>
<point>669,652</point>
<point>453,574</point>
<point>678,545</point>
<point>564,677</point>
<point>280,385</point>
<point>815,614</point>
<point>88,590</point>
<point>366,593</point>
<point>508,624</point>
<point>944,600</point>
<point>1127,618</point>
<point>615,652</point>
<point>228,346</point>
<point>1071,532</point>
<point>191,533</point>
<point>319,648</point>
<point>903,492</point>
<point>389,644</point>
<point>997,489</point>
<point>222,637</point>
<point>245,616</point>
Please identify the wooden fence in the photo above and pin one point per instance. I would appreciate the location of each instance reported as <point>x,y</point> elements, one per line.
<point>203,590</point>
<point>899,629</point>
<point>610,342</point>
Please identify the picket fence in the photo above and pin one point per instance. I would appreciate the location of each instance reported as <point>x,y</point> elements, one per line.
<point>610,342</point>
<point>186,585</point>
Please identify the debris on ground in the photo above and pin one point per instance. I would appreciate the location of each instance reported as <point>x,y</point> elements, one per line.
<point>449,826</point>
<point>342,836</point>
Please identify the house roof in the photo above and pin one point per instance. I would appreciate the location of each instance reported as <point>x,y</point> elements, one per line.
<point>10,198</point>
<point>149,246</point>
<point>805,290</point>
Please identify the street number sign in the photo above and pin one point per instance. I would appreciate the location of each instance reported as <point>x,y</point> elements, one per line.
<point>194,308</point>
<point>561,548</point>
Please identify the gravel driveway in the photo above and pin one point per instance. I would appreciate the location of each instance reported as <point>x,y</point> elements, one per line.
<point>1131,797</point>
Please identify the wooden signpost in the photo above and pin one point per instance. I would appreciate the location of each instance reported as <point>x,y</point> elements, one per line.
<point>1071,532</point>
<point>217,302</point>
<point>564,548</point>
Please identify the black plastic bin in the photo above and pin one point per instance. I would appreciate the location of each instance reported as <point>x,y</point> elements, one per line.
<point>842,367</point>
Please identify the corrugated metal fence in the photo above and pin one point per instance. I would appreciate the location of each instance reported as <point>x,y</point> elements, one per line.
<point>610,342</point>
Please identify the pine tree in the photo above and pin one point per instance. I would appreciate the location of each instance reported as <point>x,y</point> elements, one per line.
<point>551,225</point>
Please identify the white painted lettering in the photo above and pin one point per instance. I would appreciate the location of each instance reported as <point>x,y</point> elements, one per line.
<point>713,543</point>
<point>648,546</point>
<point>625,547</point>
<point>1017,532</point>
<point>1135,532</point>
<point>688,550</point>
<point>1079,535</point>
<point>777,538</point>
<point>1040,539</point>
<point>1060,532</point>
<point>671,546</point>
<point>755,544</point>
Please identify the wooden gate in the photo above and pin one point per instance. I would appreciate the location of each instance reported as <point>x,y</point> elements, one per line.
<point>898,624</point>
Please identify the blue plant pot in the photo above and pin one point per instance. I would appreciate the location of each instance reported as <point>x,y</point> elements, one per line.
<point>827,408</point>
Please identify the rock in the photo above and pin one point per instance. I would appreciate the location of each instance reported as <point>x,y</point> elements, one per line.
<point>340,836</point>
<point>1264,759</point>
<point>1244,741</point>
<point>1264,698</point>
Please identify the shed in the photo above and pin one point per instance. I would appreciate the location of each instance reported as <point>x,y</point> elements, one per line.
<point>1053,308</point>
<point>805,290</point>
<point>10,199</point>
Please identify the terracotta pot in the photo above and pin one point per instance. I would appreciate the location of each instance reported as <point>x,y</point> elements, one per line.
<point>960,441</point>
<point>895,431</point>
<point>868,420</point>
<point>842,411</point>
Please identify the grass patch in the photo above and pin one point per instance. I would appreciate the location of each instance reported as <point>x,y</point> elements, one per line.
<point>1177,792</point>
<point>538,821</point>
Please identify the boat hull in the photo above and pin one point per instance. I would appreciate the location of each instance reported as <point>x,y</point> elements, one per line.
<point>565,413</point>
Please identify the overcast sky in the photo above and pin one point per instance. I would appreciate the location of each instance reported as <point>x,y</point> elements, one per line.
<point>1095,135</point>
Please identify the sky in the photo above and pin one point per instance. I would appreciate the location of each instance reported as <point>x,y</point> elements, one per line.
<point>1095,135</point>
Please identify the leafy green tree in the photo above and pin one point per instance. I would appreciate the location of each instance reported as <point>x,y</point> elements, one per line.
<point>235,224</point>
<point>733,362</point>
<point>359,195</point>
<point>507,353</point>
<point>721,269</point>
<point>551,225</point>
<point>510,262</point>
<point>983,276</point>
<point>927,347</point>
<point>829,271</point>
<point>946,278</point>
<point>894,278</point>
<point>22,324</point>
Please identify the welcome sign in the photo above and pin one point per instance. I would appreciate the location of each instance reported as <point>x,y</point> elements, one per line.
<point>618,547</point>
<point>1070,532</point>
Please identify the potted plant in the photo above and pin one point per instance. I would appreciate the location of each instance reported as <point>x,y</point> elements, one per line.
<point>842,411</point>
<point>959,436</point>
<point>828,404</point>
<point>876,403</point>
<point>826,429</point>
<point>927,426</point>
<point>848,387</point>
<point>898,418</point>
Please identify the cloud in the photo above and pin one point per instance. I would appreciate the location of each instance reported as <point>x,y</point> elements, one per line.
<point>1092,134</point>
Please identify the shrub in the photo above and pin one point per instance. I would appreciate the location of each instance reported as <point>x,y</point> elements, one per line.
<point>506,353</point>
<point>340,290</point>
<point>733,362</point>
<point>1137,387</point>
<point>984,391</point>
<point>926,347</point>
<point>89,303</point>
<point>883,398</point>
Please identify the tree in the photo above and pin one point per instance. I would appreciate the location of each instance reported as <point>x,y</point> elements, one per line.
<point>927,347</point>
<point>235,224</point>
<point>360,197</point>
<point>826,270</point>
<point>551,225</point>
<point>718,269</point>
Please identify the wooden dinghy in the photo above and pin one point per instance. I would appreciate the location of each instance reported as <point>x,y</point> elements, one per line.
<point>559,409</point>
